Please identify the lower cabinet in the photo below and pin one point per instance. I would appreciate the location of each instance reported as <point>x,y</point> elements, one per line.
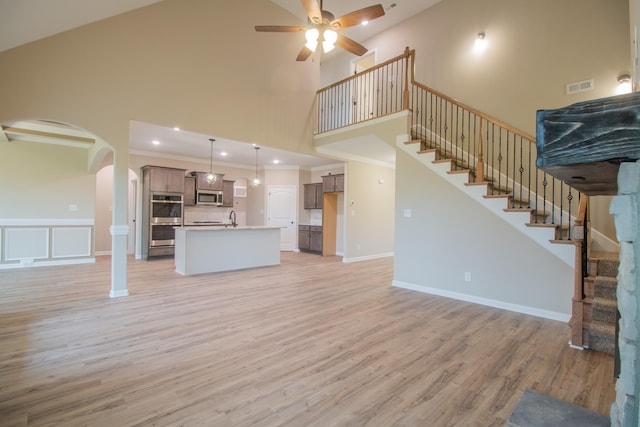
<point>310,238</point>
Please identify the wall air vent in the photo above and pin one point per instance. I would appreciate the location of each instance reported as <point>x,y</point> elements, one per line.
<point>579,86</point>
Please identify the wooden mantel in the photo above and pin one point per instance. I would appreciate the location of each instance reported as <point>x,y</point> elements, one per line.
<point>583,144</point>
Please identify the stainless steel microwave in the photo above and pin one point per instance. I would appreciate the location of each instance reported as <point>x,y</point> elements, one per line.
<point>211,198</point>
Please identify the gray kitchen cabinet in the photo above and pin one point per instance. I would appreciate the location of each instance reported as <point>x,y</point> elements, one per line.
<point>333,183</point>
<point>202,184</point>
<point>313,196</point>
<point>165,180</point>
<point>227,193</point>
<point>189,198</point>
<point>310,238</point>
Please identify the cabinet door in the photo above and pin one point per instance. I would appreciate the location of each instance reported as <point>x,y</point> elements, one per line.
<point>319,194</point>
<point>315,239</point>
<point>158,180</point>
<point>175,181</point>
<point>339,183</point>
<point>227,194</point>
<point>328,183</point>
<point>164,180</point>
<point>202,184</point>
<point>309,196</point>
<point>189,198</point>
<point>303,237</point>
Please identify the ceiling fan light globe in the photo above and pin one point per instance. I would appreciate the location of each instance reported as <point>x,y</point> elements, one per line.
<point>312,35</point>
<point>327,47</point>
<point>330,36</point>
<point>256,181</point>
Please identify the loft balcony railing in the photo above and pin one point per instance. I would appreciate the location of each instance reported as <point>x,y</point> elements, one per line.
<point>492,150</point>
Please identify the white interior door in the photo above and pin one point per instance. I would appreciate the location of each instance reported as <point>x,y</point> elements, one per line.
<point>281,212</point>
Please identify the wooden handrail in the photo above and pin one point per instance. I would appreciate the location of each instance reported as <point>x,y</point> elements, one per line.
<point>474,111</point>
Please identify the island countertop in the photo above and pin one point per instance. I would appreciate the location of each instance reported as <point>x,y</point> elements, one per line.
<point>207,249</point>
<point>225,227</point>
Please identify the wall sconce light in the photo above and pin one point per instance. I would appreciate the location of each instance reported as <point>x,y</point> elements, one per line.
<point>481,43</point>
<point>624,84</point>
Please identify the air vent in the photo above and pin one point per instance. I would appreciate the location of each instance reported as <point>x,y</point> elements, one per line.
<point>579,86</point>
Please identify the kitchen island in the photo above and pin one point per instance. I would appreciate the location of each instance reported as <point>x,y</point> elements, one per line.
<point>208,249</point>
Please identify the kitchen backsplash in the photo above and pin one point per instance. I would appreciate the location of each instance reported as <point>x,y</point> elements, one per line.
<point>206,213</point>
<point>315,217</point>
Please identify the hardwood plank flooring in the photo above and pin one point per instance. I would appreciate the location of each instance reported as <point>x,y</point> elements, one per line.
<point>312,342</point>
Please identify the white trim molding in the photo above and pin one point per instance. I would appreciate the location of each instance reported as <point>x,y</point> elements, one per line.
<point>46,222</point>
<point>367,257</point>
<point>118,293</point>
<point>532,311</point>
<point>119,230</point>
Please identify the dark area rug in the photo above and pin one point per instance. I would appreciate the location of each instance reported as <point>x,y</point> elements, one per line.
<point>539,410</point>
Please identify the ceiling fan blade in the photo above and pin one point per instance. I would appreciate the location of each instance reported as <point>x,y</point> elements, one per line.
<point>356,17</point>
<point>313,11</point>
<point>350,45</point>
<point>279,29</point>
<point>305,52</point>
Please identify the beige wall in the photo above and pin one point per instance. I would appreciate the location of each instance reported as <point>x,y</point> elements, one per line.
<point>40,181</point>
<point>369,211</point>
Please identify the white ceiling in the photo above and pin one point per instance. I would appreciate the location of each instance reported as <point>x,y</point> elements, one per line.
<point>24,21</point>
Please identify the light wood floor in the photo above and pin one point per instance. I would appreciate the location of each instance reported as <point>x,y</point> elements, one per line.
<point>312,342</point>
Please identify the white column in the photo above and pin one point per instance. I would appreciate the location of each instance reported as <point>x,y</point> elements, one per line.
<point>119,228</point>
<point>119,239</point>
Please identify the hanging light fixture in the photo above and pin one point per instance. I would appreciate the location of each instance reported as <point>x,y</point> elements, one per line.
<point>211,177</point>
<point>256,180</point>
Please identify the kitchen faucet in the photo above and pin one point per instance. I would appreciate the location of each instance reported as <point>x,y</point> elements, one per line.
<point>232,217</point>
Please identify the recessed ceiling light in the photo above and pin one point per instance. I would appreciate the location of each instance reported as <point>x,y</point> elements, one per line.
<point>223,153</point>
<point>155,142</point>
<point>363,23</point>
<point>276,161</point>
<point>176,129</point>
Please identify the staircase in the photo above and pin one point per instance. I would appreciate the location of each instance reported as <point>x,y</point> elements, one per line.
<point>534,222</point>
<point>490,161</point>
<point>600,292</point>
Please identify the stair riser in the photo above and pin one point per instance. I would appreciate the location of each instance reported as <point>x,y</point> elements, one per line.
<point>604,315</point>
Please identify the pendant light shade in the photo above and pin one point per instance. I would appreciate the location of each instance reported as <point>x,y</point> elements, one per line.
<point>211,177</point>
<point>256,180</point>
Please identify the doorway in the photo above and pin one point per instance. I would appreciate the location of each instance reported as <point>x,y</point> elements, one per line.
<point>282,212</point>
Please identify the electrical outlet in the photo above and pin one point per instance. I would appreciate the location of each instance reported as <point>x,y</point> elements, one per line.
<point>467,276</point>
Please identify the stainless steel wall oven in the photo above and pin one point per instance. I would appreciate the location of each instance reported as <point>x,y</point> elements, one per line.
<point>166,213</point>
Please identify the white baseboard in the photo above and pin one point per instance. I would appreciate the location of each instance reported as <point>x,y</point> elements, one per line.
<point>602,243</point>
<point>48,263</point>
<point>103,253</point>
<point>546,314</point>
<point>368,257</point>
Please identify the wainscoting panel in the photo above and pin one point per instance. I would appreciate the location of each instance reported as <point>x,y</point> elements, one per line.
<point>26,243</point>
<point>39,242</point>
<point>71,242</point>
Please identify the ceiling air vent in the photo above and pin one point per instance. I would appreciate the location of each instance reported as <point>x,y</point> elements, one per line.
<point>579,86</point>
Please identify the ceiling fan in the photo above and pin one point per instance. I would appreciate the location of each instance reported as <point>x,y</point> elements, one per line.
<point>323,26</point>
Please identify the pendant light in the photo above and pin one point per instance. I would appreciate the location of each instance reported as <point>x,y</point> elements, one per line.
<point>256,180</point>
<point>211,177</point>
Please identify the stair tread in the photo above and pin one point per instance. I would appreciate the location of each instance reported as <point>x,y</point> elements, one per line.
<point>605,302</point>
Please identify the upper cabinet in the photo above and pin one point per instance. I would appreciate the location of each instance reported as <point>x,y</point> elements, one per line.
<point>313,196</point>
<point>227,193</point>
<point>333,183</point>
<point>189,198</point>
<point>202,184</point>
<point>165,180</point>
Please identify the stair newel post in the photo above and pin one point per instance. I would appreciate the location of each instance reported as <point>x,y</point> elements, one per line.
<point>405,92</point>
<point>576,323</point>
<point>480,163</point>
